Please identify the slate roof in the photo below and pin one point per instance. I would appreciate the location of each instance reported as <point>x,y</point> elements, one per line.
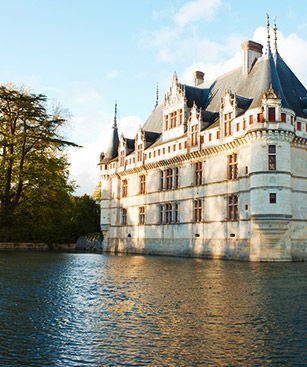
<point>112,147</point>
<point>267,71</point>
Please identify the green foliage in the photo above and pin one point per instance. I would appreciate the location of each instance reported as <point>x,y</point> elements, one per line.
<point>36,202</point>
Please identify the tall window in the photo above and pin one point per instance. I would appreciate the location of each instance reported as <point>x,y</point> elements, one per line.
<point>176,177</point>
<point>139,152</point>
<point>124,188</point>
<point>169,179</point>
<point>233,212</point>
<point>166,122</point>
<point>197,210</point>
<point>142,215</point>
<point>198,173</point>
<point>251,119</point>
<point>124,216</point>
<point>142,184</point>
<point>271,111</point>
<point>272,157</point>
<point>122,158</point>
<point>194,135</point>
<point>232,166</point>
<point>168,213</point>
<point>180,117</point>
<point>227,124</point>
<point>176,213</point>
<point>173,119</point>
<point>161,180</point>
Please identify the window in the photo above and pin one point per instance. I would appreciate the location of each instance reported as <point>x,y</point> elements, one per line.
<point>161,214</point>
<point>174,147</point>
<point>244,124</point>
<point>185,144</point>
<point>168,213</point>
<point>180,146</point>
<point>232,166</point>
<point>142,215</point>
<point>139,152</point>
<point>163,150</point>
<point>271,111</point>
<point>166,122</point>
<point>176,177</point>
<point>122,158</point>
<point>217,134</point>
<point>238,126</point>
<point>169,179</point>
<point>194,135</point>
<point>149,154</point>
<point>124,188</point>
<point>233,213</point>
<point>272,157</point>
<point>159,151</point>
<point>202,139</point>
<point>251,119</point>
<point>210,136</point>
<point>142,184</point>
<point>227,124</point>
<point>298,125</point>
<point>197,210</point>
<point>198,173</point>
<point>260,117</point>
<point>180,117</point>
<point>161,180</point>
<point>176,213</point>
<point>173,119</point>
<point>283,117</point>
<point>292,120</point>
<point>124,216</point>
<point>272,198</point>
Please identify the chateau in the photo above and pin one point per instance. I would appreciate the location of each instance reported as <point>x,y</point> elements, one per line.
<point>218,170</point>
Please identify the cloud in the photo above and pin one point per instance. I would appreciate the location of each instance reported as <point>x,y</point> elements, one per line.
<point>84,161</point>
<point>197,10</point>
<point>292,48</point>
<point>113,74</point>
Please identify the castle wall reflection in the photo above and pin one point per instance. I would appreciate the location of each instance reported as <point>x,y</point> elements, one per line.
<point>95,310</point>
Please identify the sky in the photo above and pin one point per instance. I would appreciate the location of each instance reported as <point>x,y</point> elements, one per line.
<point>85,54</point>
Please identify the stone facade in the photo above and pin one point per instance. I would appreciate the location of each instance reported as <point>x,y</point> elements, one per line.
<point>218,170</point>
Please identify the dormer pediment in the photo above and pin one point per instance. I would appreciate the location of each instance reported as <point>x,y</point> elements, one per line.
<point>195,115</point>
<point>270,94</point>
<point>176,93</point>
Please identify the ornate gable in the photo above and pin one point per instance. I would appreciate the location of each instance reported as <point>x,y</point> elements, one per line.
<point>176,93</point>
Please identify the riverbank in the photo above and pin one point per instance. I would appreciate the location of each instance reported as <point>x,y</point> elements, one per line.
<point>82,245</point>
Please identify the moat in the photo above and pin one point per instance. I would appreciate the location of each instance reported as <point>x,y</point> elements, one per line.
<point>94,310</point>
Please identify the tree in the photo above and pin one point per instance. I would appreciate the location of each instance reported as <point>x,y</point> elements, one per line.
<point>31,163</point>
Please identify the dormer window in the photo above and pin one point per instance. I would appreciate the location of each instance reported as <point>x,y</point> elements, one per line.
<point>194,135</point>
<point>139,152</point>
<point>227,123</point>
<point>180,117</point>
<point>173,119</point>
<point>283,117</point>
<point>260,117</point>
<point>166,122</point>
<point>122,158</point>
<point>271,113</point>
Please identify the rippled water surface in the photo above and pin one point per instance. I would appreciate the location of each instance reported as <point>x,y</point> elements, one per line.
<point>95,310</point>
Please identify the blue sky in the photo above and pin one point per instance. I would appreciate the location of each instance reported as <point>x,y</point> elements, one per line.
<point>87,54</point>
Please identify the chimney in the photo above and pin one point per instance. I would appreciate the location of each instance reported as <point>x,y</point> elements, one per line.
<point>251,51</point>
<point>198,78</point>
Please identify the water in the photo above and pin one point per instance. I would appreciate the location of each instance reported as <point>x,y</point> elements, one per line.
<point>95,310</point>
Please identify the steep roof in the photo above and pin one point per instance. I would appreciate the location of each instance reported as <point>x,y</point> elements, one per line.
<point>112,147</point>
<point>267,71</point>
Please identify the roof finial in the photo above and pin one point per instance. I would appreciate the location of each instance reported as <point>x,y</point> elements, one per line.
<point>157,96</point>
<point>268,34</point>
<point>275,35</point>
<point>115,116</point>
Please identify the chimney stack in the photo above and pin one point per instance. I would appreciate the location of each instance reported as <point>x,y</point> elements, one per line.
<point>251,51</point>
<point>198,78</point>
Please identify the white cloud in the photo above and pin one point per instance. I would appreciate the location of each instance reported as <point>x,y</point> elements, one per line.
<point>113,74</point>
<point>292,48</point>
<point>197,10</point>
